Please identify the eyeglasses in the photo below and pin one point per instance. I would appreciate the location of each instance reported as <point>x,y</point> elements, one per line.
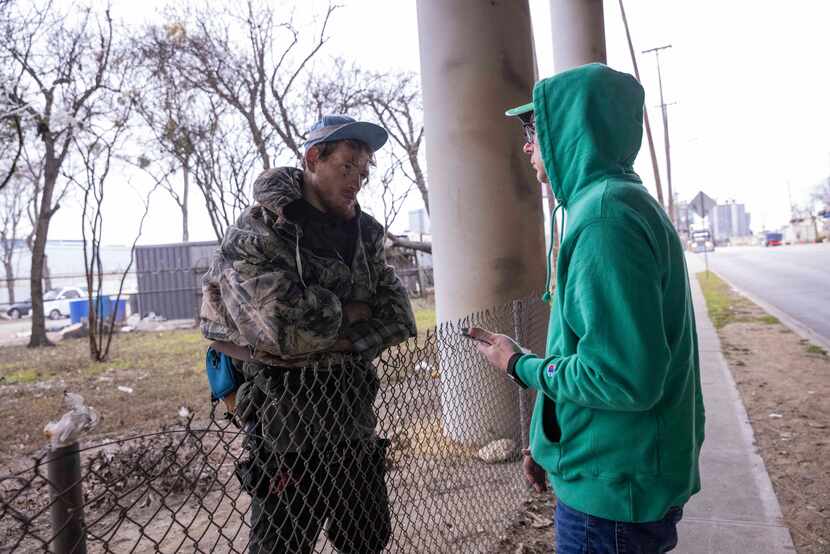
<point>529,129</point>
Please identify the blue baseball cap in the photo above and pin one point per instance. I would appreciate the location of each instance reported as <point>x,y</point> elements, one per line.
<point>331,128</point>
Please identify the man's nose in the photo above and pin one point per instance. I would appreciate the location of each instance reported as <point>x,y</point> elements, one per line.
<point>528,148</point>
<point>354,184</point>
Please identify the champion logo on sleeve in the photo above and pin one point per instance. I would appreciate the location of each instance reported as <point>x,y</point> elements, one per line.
<point>551,370</point>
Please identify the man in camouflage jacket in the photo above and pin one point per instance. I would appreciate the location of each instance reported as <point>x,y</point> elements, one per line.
<point>301,284</point>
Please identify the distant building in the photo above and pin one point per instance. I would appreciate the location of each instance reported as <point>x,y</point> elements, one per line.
<point>683,218</point>
<point>728,221</point>
<point>824,218</point>
<point>803,227</point>
<point>418,222</point>
<point>65,260</point>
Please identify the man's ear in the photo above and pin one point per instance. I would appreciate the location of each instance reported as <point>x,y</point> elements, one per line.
<point>312,156</point>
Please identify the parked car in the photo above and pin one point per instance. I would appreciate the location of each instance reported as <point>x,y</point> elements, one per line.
<point>56,301</point>
<point>701,241</point>
<point>20,309</point>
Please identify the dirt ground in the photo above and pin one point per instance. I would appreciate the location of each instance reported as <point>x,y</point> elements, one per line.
<point>531,530</point>
<point>158,373</point>
<point>785,385</point>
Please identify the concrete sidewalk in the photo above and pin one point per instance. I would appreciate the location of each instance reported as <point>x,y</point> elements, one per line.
<point>736,511</point>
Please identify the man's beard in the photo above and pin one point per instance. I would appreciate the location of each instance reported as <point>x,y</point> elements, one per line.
<point>339,211</point>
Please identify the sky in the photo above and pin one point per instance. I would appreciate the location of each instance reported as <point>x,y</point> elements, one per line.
<point>749,119</point>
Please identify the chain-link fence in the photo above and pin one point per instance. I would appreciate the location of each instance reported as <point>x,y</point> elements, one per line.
<point>170,293</point>
<point>417,451</point>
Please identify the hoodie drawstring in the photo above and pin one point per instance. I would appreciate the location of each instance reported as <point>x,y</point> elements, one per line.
<point>547,295</point>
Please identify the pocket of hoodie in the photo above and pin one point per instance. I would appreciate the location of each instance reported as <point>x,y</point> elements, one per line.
<point>545,434</point>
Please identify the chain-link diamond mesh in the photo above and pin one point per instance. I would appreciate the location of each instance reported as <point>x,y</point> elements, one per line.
<point>418,451</point>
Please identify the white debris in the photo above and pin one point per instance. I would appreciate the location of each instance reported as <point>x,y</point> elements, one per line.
<point>775,416</point>
<point>502,450</point>
<point>79,419</point>
<point>128,390</point>
<point>184,412</point>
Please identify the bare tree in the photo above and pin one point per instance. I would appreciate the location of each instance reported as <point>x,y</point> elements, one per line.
<point>13,203</point>
<point>821,193</point>
<point>391,197</point>
<point>96,150</point>
<point>231,97</point>
<point>32,170</point>
<point>223,168</point>
<point>395,100</point>
<point>260,77</point>
<point>63,62</point>
<point>11,139</point>
<point>11,113</point>
<point>168,108</point>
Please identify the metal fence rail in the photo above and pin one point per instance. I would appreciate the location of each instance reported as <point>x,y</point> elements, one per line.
<point>175,293</point>
<point>417,451</point>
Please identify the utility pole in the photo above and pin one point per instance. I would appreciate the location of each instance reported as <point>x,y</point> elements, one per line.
<point>655,168</point>
<point>790,200</point>
<point>665,111</point>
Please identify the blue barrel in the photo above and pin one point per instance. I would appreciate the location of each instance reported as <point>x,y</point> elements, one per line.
<point>120,310</point>
<point>78,310</point>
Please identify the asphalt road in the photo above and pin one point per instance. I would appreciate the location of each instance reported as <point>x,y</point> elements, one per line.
<point>794,280</point>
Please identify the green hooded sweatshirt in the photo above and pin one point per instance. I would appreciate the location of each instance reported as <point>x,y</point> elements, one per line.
<point>618,420</point>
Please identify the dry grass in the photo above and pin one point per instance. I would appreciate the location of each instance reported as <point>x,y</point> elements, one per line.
<point>164,370</point>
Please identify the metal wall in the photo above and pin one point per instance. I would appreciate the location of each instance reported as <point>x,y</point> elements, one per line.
<point>169,278</point>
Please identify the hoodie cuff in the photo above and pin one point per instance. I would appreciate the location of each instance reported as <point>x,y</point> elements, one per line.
<point>527,369</point>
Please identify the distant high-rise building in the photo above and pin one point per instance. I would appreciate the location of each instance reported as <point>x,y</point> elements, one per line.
<point>728,221</point>
<point>418,222</point>
<point>684,217</point>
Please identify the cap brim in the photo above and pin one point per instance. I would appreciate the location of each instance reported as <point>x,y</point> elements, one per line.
<point>373,135</point>
<point>519,110</point>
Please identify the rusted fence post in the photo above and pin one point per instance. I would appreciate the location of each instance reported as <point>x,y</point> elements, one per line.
<point>521,336</point>
<point>67,497</point>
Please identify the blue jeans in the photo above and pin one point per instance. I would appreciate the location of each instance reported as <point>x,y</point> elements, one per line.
<point>580,533</point>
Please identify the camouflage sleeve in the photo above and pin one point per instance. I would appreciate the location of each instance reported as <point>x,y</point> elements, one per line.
<point>392,319</point>
<point>264,300</point>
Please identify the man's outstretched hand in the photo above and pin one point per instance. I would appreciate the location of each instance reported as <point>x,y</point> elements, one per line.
<point>498,349</point>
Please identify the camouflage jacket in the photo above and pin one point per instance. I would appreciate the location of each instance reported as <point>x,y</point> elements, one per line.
<point>265,292</point>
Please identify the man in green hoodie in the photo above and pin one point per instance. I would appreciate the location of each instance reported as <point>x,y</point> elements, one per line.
<point>618,422</point>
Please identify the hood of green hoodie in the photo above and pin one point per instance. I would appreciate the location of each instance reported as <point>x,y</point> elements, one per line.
<point>589,125</point>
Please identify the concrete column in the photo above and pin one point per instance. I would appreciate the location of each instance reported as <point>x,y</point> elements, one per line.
<point>486,210</point>
<point>578,30</point>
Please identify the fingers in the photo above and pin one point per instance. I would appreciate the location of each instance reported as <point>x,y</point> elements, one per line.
<point>480,334</point>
